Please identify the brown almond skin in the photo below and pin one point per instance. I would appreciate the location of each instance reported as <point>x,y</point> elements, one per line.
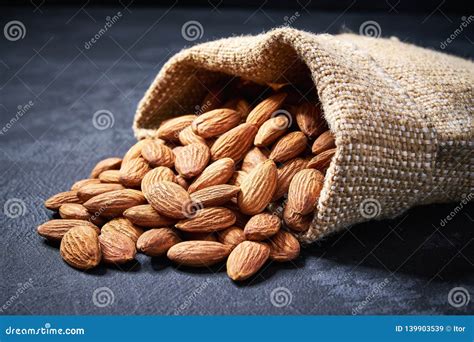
<point>187,136</point>
<point>247,259</point>
<point>79,184</point>
<point>145,216</point>
<point>157,175</point>
<point>289,146</point>
<point>264,110</point>
<point>252,159</point>
<point>116,248</point>
<point>262,226</point>
<point>271,130</point>
<point>54,230</point>
<point>156,242</point>
<point>56,201</point>
<point>135,151</point>
<point>74,211</point>
<point>285,174</point>
<point>215,122</point>
<point>88,191</point>
<point>231,236</point>
<point>169,199</point>
<point>208,220</point>
<point>309,119</point>
<point>295,221</point>
<point>198,253</point>
<point>257,188</point>
<point>322,161</point>
<point>219,172</point>
<point>123,226</point>
<point>324,142</point>
<point>182,182</point>
<point>110,176</point>
<point>157,154</point>
<point>80,247</point>
<point>170,129</point>
<point>215,195</point>
<point>234,143</point>
<point>114,203</point>
<point>304,190</point>
<point>284,247</point>
<point>106,164</point>
<point>192,159</point>
<point>133,171</point>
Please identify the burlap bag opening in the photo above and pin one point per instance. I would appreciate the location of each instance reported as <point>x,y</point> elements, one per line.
<point>402,115</point>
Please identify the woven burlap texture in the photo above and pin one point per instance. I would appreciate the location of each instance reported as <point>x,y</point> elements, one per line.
<point>402,115</point>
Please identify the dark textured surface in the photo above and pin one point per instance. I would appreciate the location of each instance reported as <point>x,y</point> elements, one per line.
<point>404,266</point>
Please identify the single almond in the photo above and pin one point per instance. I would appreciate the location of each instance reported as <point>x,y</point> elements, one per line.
<point>192,159</point>
<point>88,191</point>
<point>215,195</point>
<point>295,221</point>
<point>110,176</point>
<point>304,190</point>
<point>74,211</point>
<point>207,220</point>
<point>135,151</point>
<point>169,199</point>
<point>123,226</point>
<point>310,120</point>
<point>257,188</point>
<point>219,172</point>
<point>56,201</point>
<point>54,230</point>
<point>80,247</point>
<point>271,130</point>
<point>144,215</point>
<point>106,164</point>
<point>77,185</point>
<point>116,248</point>
<point>289,146</point>
<point>262,226</point>
<point>265,109</point>
<point>215,122</point>
<point>285,174</point>
<point>247,259</point>
<point>253,157</point>
<point>198,253</point>
<point>133,171</point>
<point>234,143</point>
<point>284,247</point>
<point>322,161</point>
<point>231,236</point>
<point>156,242</point>
<point>156,175</point>
<point>187,136</point>
<point>170,129</point>
<point>157,154</point>
<point>324,142</point>
<point>114,203</point>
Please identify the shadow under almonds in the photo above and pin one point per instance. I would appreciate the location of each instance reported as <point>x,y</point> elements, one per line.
<point>420,242</point>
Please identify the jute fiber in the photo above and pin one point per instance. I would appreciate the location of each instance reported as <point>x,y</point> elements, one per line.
<point>401,114</point>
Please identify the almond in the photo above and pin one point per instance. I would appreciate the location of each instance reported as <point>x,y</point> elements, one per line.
<point>123,226</point>
<point>324,142</point>
<point>187,136</point>
<point>271,130</point>
<point>198,253</point>
<point>74,211</point>
<point>88,191</point>
<point>56,201</point>
<point>157,175</point>
<point>231,236</point>
<point>192,159</point>
<point>135,151</point>
<point>170,129</point>
<point>216,173</point>
<point>157,154</point>
<point>54,230</point>
<point>80,247</point>
<point>110,176</point>
<point>288,147</point>
<point>156,242</point>
<point>310,120</point>
<point>76,186</point>
<point>182,182</point>
<point>215,195</point>
<point>295,221</point>
<point>257,188</point>
<point>322,161</point>
<point>106,164</point>
<point>234,143</point>
<point>252,159</point>
<point>262,226</point>
<point>265,109</point>
<point>247,259</point>
<point>304,190</point>
<point>116,248</point>
<point>169,199</point>
<point>215,122</point>
<point>284,247</point>
<point>285,175</point>
<point>133,171</point>
<point>207,220</point>
<point>114,203</point>
<point>144,215</point>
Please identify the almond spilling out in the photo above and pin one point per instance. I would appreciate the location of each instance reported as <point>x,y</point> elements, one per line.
<point>156,242</point>
<point>74,211</point>
<point>54,230</point>
<point>169,199</point>
<point>253,158</point>
<point>215,195</point>
<point>80,247</point>
<point>219,172</point>
<point>284,247</point>
<point>265,109</point>
<point>321,161</point>
<point>262,226</point>
<point>104,165</point>
<point>231,236</point>
<point>234,143</point>
<point>303,193</point>
<point>309,119</point>
<point>116,248</point>
<point>207,220</point>
<point>157,154</point>
<point>80,183</point>
<point>133,171</point>
<point>198,253</point>
<point>215,122</point>
<point>324,142</point>
<point>247,259</point>
<point>123,226</point>
<point>192,159</point>
<point>170,129</point>
<point>56,201</point>
<point>288,147</point>
<point>156,175</point>
<point>110,176</point>
<point>114,203</point>
<point>145,216</point>
<point>88,191</point>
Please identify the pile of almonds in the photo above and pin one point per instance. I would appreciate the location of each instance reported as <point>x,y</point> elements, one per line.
<point>201,191</point>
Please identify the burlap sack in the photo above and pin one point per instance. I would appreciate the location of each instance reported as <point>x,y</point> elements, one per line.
<point>402,115</point>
